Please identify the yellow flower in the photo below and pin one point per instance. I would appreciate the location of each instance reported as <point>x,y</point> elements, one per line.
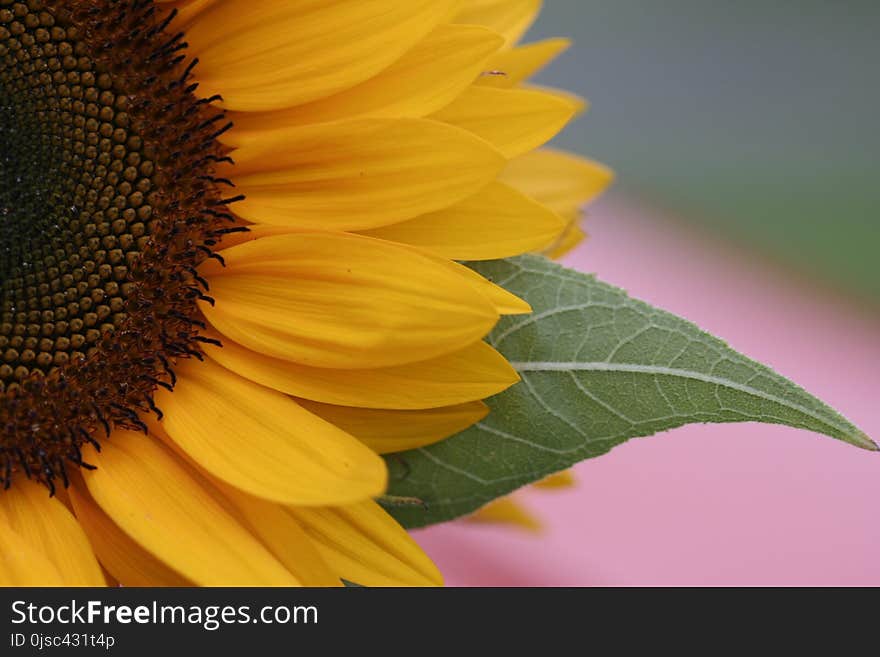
<point>290,179</point>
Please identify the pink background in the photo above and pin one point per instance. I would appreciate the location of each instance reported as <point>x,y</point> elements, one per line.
<point>736,504</point>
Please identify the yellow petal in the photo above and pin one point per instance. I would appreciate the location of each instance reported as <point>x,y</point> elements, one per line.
<point>504,302</point>
<point>359,174</point>
<point>563,479</point>
<point>343,301</point>
<point>473,373</point>
<point>366,546</point>
<point>566,242</point>
<point>498,222</point>
<point>281,533</point>
<point>510,67</point>
<point>515,121</point>
<point>155,499</point>
<point>561,181</point>
<point>49,528</point>
<point>124,558</point>
<point>263,442</point>
<point>510,18</point>
<point>264,54</point>
<point>505,511</point>
<point>23,565</point>
<point>577,103</point>
<point>387,431</point>
<point>422,81</point>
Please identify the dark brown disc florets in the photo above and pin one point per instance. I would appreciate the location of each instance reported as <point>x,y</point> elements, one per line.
<point>107,206</point>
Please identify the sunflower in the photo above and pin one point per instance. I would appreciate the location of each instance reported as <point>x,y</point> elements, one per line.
<point>230,232</point>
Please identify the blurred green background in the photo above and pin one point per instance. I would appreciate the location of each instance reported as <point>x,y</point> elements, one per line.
<point>756,119</point>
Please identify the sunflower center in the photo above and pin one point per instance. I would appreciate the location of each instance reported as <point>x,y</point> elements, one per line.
<point>68,199</point>
<point>107,206</point>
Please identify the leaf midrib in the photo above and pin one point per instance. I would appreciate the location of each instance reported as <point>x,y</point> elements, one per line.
<point>569,366</point>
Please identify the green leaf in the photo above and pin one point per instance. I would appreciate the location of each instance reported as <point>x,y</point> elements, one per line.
<point>598,368</point>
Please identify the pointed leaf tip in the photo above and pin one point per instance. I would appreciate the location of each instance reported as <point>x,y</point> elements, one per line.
<point>865,442</point>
